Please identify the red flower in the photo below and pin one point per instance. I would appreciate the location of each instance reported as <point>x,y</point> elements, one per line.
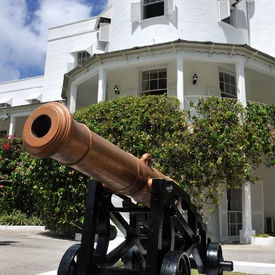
<point>6,146</point>
<point>1,186</point>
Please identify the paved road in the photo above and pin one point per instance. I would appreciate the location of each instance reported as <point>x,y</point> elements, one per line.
<point>30,252</point>
<point>249,253</point>
<point>36,252</point>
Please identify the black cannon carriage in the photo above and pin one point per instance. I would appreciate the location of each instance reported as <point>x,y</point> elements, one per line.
<point>169,238</point>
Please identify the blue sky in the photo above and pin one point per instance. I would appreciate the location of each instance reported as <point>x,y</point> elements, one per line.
<point>24,28</point>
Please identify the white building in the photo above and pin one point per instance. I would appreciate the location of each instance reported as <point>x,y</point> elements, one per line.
<point>153,47</point>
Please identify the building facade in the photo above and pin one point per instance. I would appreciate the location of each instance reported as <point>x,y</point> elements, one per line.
<point>188,49</point>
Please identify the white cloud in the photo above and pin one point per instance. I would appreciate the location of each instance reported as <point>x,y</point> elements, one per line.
<point>8,72</point>
<point>24,33</point>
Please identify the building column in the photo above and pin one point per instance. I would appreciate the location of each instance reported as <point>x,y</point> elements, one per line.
<point>101,93</point>
<point>12,125</point>
<point>180,80</point>
<point>72,99</point>
<point>241,93</point>
<point>247,230</point>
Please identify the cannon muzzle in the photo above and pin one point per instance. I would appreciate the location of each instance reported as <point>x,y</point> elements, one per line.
<point>50,131</point>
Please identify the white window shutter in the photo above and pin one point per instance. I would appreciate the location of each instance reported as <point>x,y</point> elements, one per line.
<point>224,9</point>
<point>170,6</point>
<point>241,22</point>
<point>135,12</point>
<point>232,2</point>
<point>104,31</point>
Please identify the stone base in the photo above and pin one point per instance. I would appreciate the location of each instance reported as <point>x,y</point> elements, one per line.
<point>245,235</point>
<point>263,241</point>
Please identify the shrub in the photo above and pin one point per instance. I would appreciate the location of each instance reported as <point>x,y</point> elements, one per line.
<point>59,192</point>
<point>14,194</point>
<point>16,217</point>
<point>220,147</point>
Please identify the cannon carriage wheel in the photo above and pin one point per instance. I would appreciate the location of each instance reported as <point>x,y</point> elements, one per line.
<point>68,263</point>
<point>215,264</point>
<point>175,263</point>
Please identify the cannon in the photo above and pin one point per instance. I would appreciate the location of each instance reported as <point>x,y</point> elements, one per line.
<point>161,230</point>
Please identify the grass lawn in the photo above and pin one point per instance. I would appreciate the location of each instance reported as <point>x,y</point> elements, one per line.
<point>195,272</point>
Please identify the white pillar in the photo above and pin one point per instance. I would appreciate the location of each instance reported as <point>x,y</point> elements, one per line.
<point>241,93</point>
<point>72,99</point>
<point>12,125</point>
<point>101,95</point>
<point>247,230</point>
<point>180,80</point>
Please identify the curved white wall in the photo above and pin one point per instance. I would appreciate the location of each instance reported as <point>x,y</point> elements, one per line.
<point>262,25</point>
<point>192,20</point>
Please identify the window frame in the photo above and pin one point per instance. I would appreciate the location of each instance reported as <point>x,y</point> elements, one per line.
<point>3,133</point>
<point>82,59</point>
<point>137,9</point>
<point>151,4</point>
<point>153,81</point>
<point>230,15</point>
<point>226,86</point>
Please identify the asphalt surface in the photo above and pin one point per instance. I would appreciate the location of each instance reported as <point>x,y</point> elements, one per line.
<point>249,253</point>
<point>26,252</point>
<point>30,252</point>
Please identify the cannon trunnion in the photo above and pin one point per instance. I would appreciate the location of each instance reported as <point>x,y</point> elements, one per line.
<point>161,234</point>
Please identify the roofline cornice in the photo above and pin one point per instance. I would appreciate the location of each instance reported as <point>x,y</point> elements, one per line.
<point>175,45</point>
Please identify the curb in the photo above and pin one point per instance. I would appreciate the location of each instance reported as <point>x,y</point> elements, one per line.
<point>254,268</point>
<point>54,272</point>
<point>22,227</point>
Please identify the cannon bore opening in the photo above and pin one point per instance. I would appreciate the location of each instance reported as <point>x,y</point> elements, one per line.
<point>41,126</point>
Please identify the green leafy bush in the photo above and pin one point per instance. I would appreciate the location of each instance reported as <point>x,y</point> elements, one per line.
<point>216,148</point>
<point>16,217</point>
<point>138,125</point>
<point>14,194</point>
<point>59,192</point>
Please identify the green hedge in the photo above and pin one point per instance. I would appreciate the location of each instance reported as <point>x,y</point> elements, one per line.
<point>221,145</point>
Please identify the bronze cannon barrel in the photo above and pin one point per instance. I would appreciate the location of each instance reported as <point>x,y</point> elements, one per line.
<point>50,131</point>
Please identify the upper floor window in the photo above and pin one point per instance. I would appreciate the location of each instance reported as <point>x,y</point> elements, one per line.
<point>144,9</point>
<point>228,85</point>
<point>153,8</point>
<point>4,105</point>
<point>82,57</point>
<point>229,14</point>
<point>154,82</point>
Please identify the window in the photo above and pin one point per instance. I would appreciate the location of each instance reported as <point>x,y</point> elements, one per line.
<point>234,199</point>
<point>3,133</point>
<point>143,9</point>
<point>153,8</point>
<point>82,57</point>
<point>34,101</point>
<point>34,98</point>
<point>228,85</point>
<point>4,105</point>
<point>230,15</point>
<point>154,82</point>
